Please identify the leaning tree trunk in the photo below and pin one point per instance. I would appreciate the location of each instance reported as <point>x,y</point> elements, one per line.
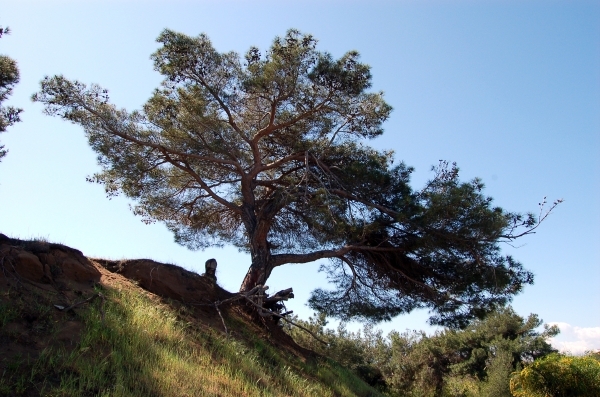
<point>257,230</point>
<point>259,270</point>
<point>256,275</point>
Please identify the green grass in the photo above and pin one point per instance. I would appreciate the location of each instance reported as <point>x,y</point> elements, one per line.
<point>144,349</point>
<point>7,313</point>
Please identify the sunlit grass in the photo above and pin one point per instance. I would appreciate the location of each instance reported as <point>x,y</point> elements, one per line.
<point>143,348</point>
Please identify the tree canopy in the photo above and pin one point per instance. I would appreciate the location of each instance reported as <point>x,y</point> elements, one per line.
<point>9,76</point>
<point>268,152</point>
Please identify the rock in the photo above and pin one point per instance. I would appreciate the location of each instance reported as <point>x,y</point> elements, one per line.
<point>29,267</point>
<point>46,263</point>
<point>79,270</point>
<point>71,266</point>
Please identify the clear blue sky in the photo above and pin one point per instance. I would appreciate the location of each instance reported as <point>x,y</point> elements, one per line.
<point>510,90</point>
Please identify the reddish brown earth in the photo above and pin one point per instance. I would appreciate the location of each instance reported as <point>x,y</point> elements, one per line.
<point>167,281</point>
<point>36,276</point>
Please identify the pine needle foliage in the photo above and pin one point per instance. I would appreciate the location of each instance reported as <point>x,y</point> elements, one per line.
<point>474,362</point>
<point>9,76</point>
<point>267,152</point>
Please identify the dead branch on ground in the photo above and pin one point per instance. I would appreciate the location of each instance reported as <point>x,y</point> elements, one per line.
<point>258,298</point>
<point>88,300</point>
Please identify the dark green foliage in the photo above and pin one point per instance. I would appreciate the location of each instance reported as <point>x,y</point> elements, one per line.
<point>266,152</point>
<point>499,369</point>
<point>9,76</point>
<point>483,352</point>
<point>476,361</point>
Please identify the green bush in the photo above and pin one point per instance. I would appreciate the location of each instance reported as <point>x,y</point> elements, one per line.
<point>558,375</point>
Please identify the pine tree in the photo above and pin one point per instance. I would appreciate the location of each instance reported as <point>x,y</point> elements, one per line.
<point>9,76</point>
<point>268,153</point>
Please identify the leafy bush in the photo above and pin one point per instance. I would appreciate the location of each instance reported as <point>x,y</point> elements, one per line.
<point>558,375</point>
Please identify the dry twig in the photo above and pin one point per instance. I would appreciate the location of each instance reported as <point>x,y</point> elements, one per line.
<point>91,298</point>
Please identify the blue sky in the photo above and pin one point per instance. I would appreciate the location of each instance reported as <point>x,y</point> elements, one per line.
<point>509,90</point>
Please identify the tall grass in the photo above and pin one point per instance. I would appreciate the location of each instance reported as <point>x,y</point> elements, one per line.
<point>143,348</point>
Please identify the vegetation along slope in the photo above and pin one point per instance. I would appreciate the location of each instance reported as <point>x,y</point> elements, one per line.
<point>72,327</point>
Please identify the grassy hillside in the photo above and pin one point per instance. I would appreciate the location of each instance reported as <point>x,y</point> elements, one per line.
<point>127,341</point>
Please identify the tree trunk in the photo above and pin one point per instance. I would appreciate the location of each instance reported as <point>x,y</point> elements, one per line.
<point>259,270</point>
<point>256,275</point>
<point>257,229</point>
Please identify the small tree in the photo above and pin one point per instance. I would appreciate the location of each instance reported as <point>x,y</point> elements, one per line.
<point>482,356</point>
<point>476,361</point>
<point>9,76</point>
<point>266,153</point>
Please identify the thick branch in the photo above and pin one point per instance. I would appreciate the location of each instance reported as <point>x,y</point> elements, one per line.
<point>280,259</point>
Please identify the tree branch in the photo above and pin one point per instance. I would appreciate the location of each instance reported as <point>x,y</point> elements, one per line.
<point>280,259</point>
<point>204,185</point>
<point>161,148</point>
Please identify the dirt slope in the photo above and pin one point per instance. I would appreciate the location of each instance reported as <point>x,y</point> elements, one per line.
<point>38,279</point>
